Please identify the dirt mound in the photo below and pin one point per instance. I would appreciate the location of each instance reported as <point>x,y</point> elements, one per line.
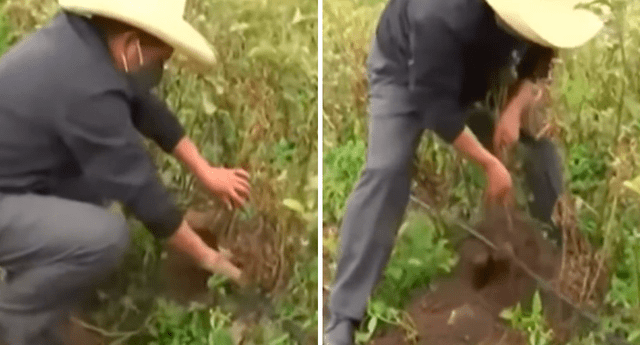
<point>253,244</point>
<point>465,308</point>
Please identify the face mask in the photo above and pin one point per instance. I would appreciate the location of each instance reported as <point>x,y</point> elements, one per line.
<point>147,76</point>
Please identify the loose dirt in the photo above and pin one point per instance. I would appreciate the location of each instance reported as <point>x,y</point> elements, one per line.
<point>252,244</point>
<point>464,308</point>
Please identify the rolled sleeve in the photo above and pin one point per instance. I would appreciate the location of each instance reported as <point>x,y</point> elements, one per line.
<point>156,121</point>
<point>100,135</point>
<point>436,74</point>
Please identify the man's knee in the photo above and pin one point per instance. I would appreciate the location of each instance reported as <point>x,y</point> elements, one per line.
<point>108,237</point>
<point>387,172</point>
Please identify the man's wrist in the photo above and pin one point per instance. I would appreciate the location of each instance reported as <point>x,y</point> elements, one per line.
<point>470,147</point>
<point>187,152</point>
<point>216,263</point>
<point>490,162</point>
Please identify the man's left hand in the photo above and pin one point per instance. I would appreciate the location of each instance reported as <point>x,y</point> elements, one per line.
<point>507,131</point>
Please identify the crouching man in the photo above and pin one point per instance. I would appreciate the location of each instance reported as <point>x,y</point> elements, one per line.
<point>75,97</point>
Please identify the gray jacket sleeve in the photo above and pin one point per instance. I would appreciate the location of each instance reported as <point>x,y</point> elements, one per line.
<point>156,121</point>
<point>101,136</point>
<point>436,74</point>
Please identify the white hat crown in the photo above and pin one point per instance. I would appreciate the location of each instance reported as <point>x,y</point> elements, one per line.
<point>161,18</point>
<point>552,23</point>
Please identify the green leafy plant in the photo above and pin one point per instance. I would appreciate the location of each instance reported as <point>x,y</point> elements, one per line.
<point>532,323</point>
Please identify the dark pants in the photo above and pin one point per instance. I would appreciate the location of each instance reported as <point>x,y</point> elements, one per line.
<point>376,206</point>
<point>53,249</point>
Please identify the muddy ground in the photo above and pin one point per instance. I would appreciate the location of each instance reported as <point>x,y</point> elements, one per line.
<point>464,309</point>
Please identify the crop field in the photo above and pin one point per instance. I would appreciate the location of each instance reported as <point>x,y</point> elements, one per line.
<point>256,109</point>
<point>593,115</point>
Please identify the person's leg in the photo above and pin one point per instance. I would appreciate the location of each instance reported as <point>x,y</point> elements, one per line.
<point>373,214</point>
<point>53,250</point>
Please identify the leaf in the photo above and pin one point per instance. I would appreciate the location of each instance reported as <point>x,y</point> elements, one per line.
<point>635,335</point>
<point>507,314</point>
<point>280,340</point>
<point>208,106</point>
<point>294,205</point>
<point>395,272</point>
<point>537,304</point>
<point>222,337</point>
<point>239,27</point>
<point>371,326</point>
<point>415,262</point>
<point>634,184</point>
<point>297,17</point>
<point>378,307</point>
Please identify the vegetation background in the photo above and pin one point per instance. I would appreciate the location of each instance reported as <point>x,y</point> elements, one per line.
<point>257,109</point>
<point>596,115</point>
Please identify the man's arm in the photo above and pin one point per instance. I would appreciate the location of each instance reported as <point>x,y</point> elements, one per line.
<point>156,121</point>
<point>99,134</point>
<point>499,180</point>
<point>231,185</point>
<point>436,75</point>
<point>187,152</point>
<point>535,65</point>
<point>101,137</point>
<point>188,242</point>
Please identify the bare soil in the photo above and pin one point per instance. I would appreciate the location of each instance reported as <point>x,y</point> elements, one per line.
<point>252,244</point>
<point>464,308</point>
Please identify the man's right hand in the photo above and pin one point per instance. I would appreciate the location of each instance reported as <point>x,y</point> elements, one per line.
<point>185,240</point>
<point>499,183</point>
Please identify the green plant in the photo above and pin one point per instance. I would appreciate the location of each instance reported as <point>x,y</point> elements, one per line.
<point>533,323</point>
<point>341,169</point>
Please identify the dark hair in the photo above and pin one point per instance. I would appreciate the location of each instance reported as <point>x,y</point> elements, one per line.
<point>535,65</point>
<point>111,27</point>
<point>536,62</point>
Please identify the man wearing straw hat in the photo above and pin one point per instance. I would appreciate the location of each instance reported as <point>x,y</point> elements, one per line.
<point>74,98</point>
<point>429,62</point>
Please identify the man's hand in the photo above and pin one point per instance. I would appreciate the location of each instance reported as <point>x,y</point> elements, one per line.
<point>499,184</point>
<point>508,129</point>
<point>231,185</point>
<point>185,240</point>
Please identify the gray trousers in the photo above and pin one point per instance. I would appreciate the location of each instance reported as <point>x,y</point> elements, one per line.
<point>377,204</point>
<point>53,250</point>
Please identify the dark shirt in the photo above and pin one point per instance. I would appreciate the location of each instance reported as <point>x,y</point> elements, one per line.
<point>443,54</point>
<point>67,115</point>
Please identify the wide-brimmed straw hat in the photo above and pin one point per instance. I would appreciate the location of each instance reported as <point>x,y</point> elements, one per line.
<point>551,23</point>
<point>162,19</point>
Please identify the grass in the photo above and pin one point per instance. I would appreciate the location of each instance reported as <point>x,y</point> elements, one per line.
<point>255,109</point>
<point>595,115</point>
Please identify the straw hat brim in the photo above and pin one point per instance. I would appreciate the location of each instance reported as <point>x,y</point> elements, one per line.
<point>551,23</point>
<point>169,28</point>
